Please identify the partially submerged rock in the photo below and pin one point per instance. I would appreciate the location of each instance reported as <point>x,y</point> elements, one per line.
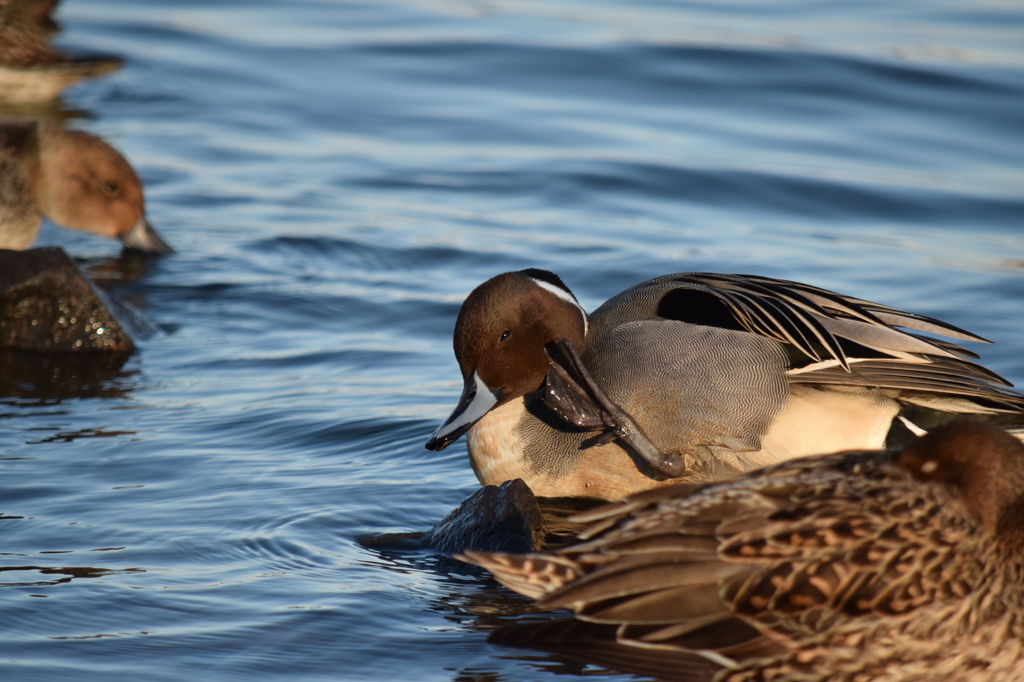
<point>503,518</point>
<point>47,304</point>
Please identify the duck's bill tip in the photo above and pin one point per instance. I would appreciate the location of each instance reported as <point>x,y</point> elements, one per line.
<point>142,237</point>
<point>435,444</point>
<point>449,432</point>
<point>439,440</point>
<point>476,401</point>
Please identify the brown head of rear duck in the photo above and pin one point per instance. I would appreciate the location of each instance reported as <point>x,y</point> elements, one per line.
<point>695,377</point>
<point>74,179</point>
<point>853,566</point>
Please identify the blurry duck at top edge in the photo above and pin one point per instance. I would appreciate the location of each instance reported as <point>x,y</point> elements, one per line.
<point>31,70</point>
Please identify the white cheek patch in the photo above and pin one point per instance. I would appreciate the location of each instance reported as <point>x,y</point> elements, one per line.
<point>565,296</point>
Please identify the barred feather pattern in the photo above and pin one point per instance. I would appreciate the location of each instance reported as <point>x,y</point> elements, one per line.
<point>833,567</point>
<point>23,41</point>
<point>975,639</point>
<point>811,318</point>
<point>832,339</point>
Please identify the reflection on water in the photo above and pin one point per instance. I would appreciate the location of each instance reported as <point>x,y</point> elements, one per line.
<point>69,436</point>
<point>552,642</point>
<point>42,378</point>
<point>110,271</point>
<point>595,644</point>
<point>9,574</point>
<point>471,601</point>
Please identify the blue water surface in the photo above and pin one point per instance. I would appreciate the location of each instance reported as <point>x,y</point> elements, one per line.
<point>337,176</point>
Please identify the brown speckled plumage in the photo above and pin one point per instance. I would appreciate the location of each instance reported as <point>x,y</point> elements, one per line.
<point>854,566</point>
<point>31,69</point>
<point>24,37</point>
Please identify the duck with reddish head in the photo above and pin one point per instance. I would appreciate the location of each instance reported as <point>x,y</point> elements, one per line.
<point>696,377</point>
<point>74,179</point>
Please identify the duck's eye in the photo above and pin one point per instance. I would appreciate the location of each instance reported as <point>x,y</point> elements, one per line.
<point>110,186</point>
<point>505,334</point>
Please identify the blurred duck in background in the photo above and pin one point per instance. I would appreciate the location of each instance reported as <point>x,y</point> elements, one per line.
<point>75,180</point>
<point>31,70</point>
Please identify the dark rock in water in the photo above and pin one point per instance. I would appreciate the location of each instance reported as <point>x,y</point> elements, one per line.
<point>502,518</point>
<point>47,304</point>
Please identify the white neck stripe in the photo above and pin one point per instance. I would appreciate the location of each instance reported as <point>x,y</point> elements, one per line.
<point>565,296</point>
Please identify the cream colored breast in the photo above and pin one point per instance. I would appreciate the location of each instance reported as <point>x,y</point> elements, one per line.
<point>18,236</point>
<point>824,419</point>
<point>496,452</point>
<point>495,449</point>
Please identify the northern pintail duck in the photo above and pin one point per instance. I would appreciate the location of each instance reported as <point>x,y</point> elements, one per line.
<point>695,377</point>
<point>30,69</point>
<point>76,180</point>
<point>852,566</point>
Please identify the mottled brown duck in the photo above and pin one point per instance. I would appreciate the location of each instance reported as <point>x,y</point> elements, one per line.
<point>885,565</point>
<point>31,70</point>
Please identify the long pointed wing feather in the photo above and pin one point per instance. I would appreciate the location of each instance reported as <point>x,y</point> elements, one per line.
<point>952,377</point>
<point>812,320</point>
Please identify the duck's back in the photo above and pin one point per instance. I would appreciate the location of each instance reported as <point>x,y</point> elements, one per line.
<point>675,353</point>
<point>19,172</point>
<point>692,387</point>
<point>757,371</point>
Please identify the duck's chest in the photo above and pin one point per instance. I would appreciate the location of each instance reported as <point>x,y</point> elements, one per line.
<point>511,442</point>
<point>495,448</point>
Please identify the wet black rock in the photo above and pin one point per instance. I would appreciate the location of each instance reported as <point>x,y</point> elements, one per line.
<point>47,304</point>
<point>503,518</point>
